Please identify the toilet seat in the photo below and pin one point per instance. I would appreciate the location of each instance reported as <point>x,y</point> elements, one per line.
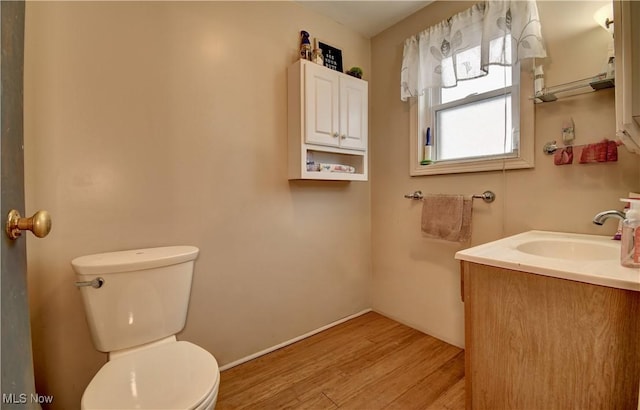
<point>176,375</point>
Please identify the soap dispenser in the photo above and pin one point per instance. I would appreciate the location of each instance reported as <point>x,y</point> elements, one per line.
<point>630,243</point>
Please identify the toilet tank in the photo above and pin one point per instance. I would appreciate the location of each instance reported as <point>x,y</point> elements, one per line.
<point>144,296</point>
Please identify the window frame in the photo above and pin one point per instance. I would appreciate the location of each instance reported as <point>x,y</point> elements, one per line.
<point>525,146</point>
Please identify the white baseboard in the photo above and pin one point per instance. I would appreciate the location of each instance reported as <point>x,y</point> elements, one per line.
<point>291,341</point>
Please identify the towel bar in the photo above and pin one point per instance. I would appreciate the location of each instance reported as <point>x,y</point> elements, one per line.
<point>486,196</point>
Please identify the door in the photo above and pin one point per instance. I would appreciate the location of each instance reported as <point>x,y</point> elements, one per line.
<point>18,388</point>
<point>321,105</point>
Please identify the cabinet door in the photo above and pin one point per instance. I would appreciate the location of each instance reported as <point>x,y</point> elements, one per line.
<point>353,113</point>
<point>537,342</point>
<point>321,105</point>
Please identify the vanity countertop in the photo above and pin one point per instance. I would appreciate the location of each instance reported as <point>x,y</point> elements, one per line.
<point>584,258</point>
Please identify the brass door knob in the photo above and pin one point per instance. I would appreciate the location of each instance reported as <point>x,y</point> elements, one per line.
<point>39,224</point>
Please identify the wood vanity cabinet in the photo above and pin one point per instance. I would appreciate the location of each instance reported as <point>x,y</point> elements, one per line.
<point>537,342</point>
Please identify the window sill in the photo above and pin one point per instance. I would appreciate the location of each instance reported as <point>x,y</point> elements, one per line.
<point>458,167</point>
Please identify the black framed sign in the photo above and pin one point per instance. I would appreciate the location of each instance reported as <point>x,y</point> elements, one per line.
<point>332,56</point>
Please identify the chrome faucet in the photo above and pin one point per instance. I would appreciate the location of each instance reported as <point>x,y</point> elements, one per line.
<point>603,216</point>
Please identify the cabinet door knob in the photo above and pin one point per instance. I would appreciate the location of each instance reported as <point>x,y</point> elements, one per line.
<point>343,136</point>
<point>335,135</point>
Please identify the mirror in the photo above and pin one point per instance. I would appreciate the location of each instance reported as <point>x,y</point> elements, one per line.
<point>577,45</point>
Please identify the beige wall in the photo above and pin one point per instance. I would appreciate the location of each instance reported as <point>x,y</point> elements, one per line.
<point>159,123</point>
<point>151,124</point>
<point>416,280</point>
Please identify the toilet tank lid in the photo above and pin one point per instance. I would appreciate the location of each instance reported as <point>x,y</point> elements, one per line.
<point>135,259</point>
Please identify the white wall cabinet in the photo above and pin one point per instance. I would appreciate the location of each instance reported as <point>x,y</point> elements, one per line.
<point>328,122</point>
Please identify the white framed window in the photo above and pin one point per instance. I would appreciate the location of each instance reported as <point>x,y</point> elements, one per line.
<point>468,80</point>
<point>482,124</point>
<point>476,118</point>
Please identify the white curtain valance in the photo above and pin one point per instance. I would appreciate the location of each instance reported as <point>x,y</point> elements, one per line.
<point>463,46</point>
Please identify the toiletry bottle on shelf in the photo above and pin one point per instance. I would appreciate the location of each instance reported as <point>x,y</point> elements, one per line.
<point>630,244</point>
<point>316,55</point>
<point>305,46</point>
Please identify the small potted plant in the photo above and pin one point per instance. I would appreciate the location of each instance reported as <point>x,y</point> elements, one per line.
<point>355,72</point>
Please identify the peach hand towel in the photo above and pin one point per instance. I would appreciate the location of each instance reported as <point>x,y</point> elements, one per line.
<point>447,217</point>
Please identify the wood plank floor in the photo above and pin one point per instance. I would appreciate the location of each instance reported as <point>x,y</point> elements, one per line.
<point>370,362</point>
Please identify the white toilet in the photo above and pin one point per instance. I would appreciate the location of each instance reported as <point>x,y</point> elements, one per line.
<point>136,301</point>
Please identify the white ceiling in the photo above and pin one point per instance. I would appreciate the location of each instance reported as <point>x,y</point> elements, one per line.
<point>366,17</point>
<point>372,17</point>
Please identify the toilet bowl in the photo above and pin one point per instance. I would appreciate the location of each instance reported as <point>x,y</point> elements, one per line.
<point>136,301</point>
<point>174,375</point>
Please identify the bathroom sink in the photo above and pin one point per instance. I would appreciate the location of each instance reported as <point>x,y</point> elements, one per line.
<point>570,249</point>
<point>593,259</point>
